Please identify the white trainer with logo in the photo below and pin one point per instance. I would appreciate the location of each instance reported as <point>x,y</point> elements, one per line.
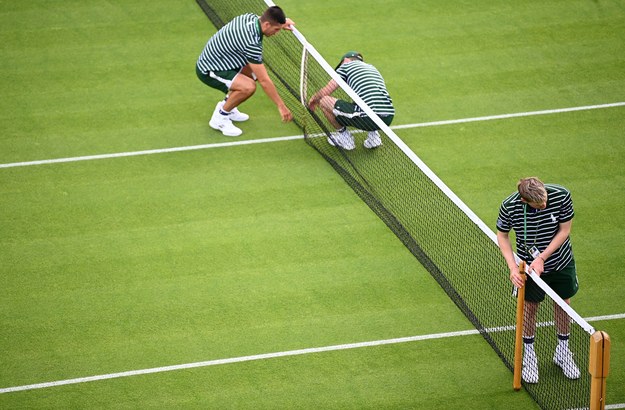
<point>529,374</point>
<point>224,124</point>
<point>563,357</point>
<point>235,114</point>
<point>373,140</point>
<point>343,139</point>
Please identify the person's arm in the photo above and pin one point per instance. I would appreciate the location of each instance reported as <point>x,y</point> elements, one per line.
<point>503,240</point>
<point>270,89</point>
<point>564,229</point>
<point>327,90</point>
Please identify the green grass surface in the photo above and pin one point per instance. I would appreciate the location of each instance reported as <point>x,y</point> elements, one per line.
<point>133,263</point>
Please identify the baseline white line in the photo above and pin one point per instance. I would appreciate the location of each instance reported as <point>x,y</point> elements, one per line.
<point>295,137</point>
<point>270,356</point>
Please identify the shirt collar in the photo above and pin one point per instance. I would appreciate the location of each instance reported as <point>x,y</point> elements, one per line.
<point>260,31</point>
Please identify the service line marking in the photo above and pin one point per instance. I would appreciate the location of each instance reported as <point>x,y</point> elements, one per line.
<point>270,356</point>
<point>296,137</point>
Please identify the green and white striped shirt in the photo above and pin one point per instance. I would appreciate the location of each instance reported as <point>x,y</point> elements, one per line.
<point>368,83</point>
<point>537,227</point>
<point>237,43</point>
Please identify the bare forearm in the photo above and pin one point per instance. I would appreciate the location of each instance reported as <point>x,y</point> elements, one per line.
<point>327,90</point>
<point>503,240</point>
<point>272,92</point>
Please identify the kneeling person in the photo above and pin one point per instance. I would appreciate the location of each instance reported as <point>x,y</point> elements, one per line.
<point>369,85</point>
<point>232,61</point>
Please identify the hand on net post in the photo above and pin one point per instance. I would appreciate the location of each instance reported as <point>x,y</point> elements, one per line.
<point>516,277</point>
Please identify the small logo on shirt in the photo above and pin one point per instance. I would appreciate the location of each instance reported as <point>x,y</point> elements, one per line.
<point>553,218</point>
<point>499,223</point>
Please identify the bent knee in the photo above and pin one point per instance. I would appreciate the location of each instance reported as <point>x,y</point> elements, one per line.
<point>250,87</point>
<point>245,85</point>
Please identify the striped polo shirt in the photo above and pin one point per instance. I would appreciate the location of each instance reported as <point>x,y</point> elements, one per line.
<point>537,227</point>
<point>237,43</point>
<point>368,83</point>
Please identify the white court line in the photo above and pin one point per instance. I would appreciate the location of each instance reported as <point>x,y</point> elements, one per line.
<point>513,115</point>
<point>295,137</point>
<point>268,356</point>
<point>147,152</point>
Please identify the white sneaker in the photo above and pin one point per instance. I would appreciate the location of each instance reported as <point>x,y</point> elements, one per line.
<point>224,124</point>
<point>235,114</point>
<point>530,367</point>
<point>373,140</point>
<point>563,357</point>
<point>343,139</point>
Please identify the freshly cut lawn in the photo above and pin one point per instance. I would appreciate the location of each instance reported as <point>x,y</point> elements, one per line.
<point>132,263</point>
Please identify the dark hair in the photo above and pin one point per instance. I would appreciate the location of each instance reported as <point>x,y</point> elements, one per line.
<point>274,15</point>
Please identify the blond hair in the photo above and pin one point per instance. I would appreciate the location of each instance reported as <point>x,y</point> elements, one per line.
<point>532,190</point>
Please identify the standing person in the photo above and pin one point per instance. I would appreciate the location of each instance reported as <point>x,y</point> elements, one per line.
<point>541,216</point>
<point>232,61</point>
<point>369,85</point>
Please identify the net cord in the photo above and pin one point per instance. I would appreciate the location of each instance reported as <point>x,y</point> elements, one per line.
<point>426,170</point>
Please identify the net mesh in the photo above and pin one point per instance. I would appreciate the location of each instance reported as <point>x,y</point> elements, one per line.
<point>458,254</point>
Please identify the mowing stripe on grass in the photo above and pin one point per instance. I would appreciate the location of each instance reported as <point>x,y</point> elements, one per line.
<point>295,137</point>
<point>272,356</point>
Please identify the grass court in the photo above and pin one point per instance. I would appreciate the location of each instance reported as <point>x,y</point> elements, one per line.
<point>126,263</point>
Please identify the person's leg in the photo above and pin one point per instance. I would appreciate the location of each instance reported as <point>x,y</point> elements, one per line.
<point>530,359</point>
<point>565,284</point>
<point>243,86</point>
<point>239,88</point>
<point>563,356</point>
<point>342,137</point>
<point>529,319</point>
<point>222,81</point>
<point>563,321</point>
<point>327,106</point>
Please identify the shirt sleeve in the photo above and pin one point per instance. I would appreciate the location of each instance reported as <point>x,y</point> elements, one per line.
<point>253,48</point>
<point>566,210</point>
<point>254,53</point>
<point>504,224</point>
<point>342,72</point>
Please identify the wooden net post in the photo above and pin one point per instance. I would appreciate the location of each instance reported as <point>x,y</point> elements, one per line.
<point>598,368</point>
<point>518,340</point>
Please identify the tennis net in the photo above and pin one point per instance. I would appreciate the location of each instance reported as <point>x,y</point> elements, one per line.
<point>451,242</point>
